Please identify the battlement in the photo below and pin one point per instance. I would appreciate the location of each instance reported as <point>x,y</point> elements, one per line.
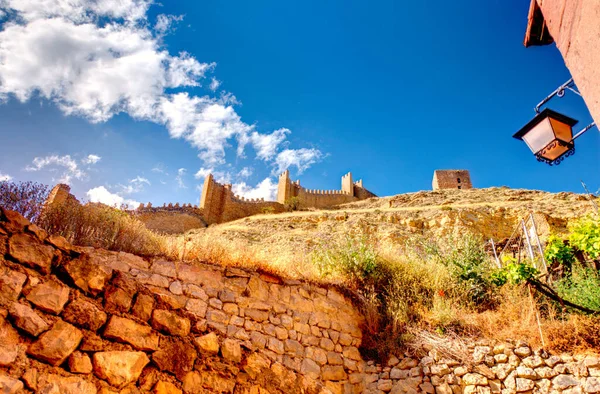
<point>451,179</point>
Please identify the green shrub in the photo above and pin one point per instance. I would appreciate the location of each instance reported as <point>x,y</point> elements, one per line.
<point>354,259</point>
<point>558,252</point>
<point>581,287</point>
<point>585,235</point>
<point>268,210</point>
<point>292,204</point>
<point>513,273</point>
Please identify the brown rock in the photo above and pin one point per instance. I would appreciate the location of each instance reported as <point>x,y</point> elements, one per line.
<point>80,363</point>
<point>10,385</point>
<point>117,300</point>
<point>30,377</point>
<point>88,275</point>
<point>59,242</point>
<point>56,345</point>
<point>171,323</point>
<point>40,233</point>
<point>139,336</point>
<point>144,304</point>
<point>231,350</point>
<point>9,343</point>
<point>50,296</point>
<point>208,343</point>
<point>12,221</point>
<point>119,368</point>
<point>175,357</point>
<point>85,314</point>
<point>11,284</point>
<point>192,382</point>
<point>333,372</point>
<point>163,387</point>
<point>28,250</point>
<point>27,320</point>
<point>196,307</point>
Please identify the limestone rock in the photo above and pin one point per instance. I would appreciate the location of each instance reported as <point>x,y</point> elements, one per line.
<point>524,384</point>
<point>50,296</point>
<point>208,343</point>
<point>475,379</point>
<point>125,330</point>
<point>119,368</point>
<point>334,372</point>
<point>88,275</point>
<point>256,364</point>
<point>523,351</point>
<point>11,284</point>
<point>9,385</point>
<point>171,323</point>
<point>55,345</point>
<point>563,382</point>
<point>192,382</point>
<point>13,221</point>
<point>196,306</point>
<point>310,369</point>
<point>231,350</point>
<point>117,300</point>
<point>9,343</point>
<point>175,357</point>
<point>27,320</point>
<point>592,385</point>
<point>52,383</point>
<point>84,314</point>
<point>80,363</point>
<point>28,250</point>
<point>144,304</point>
<point>163,387</point>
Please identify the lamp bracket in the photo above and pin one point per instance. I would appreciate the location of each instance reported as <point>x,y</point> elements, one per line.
<point>560,92</point>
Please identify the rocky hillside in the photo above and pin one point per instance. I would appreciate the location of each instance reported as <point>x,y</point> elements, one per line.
<point>88,321</point>
<point>491,213</point>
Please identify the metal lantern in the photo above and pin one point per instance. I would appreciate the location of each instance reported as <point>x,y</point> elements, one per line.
<point>549,135</point>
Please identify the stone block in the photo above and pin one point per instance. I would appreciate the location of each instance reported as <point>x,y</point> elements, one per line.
<point>9,343</point>
<point>52,383</point>
<point>333,372</point>
<point>231,350</point>
<point>11,284</point>
<point>85,314</point>
<point>117,300</point>
<point>163,387</point>
<point>208,343</point>
<point>171,323</point>
<point>55,345</point>
<point>50,296</point>
<point>142,309</point>
<point>197,307</point>
<point>87,274</point>
<point>27,320</point>
<point>10,385</point>
<point>80,363</point>
<point>119,368</point>
<point>29,251</point>
<point>125,330</point>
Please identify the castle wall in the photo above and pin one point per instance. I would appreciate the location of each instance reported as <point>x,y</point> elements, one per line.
<point>219,204</point>
<point>91,321</point>
<point>322,198</point>
<point>171,220</point>
<point>451,179</point>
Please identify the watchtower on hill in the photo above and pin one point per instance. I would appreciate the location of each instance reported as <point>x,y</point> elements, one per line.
<point>451,179</point>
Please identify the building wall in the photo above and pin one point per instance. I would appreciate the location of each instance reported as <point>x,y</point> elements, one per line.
<point>575,27</point>
<point>219,204</point>
<point>171,220</point>
<point>451,179</point>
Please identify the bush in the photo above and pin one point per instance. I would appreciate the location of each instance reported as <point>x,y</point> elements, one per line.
<point>585,235</point>
<point>558,252</point>
<point>292,204</point>
<point>581,287</point>
<point>268,210</point>
<point>101,226</point>
<point>26,198</point>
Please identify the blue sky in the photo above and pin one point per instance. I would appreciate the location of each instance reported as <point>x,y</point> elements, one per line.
<point>130,101</point>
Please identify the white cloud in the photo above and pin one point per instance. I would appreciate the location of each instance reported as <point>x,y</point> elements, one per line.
<point>91,159</point>
<point>135,185</point>
<point>100,58</point>
<point>214,84</point>
<point>102,195</point>
<point>160,168</point>
<point>266,189</point>
<point>68,167</point>
<point>266,145</point>
<point>165,22</point>
<point>179,178</point>
<point>302,159</point>
<point>245,172</point>
<point>5,177</point>
<point>203,173</point>
<point>223,177</point>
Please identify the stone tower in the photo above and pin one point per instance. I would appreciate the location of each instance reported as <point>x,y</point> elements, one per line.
<point>451,179</point>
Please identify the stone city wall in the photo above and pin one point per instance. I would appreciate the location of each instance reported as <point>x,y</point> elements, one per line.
<point>84,320</point>
<point>171,218</point>
<point>451,179</point>
<point>219,204</point>
<point>308,198</point>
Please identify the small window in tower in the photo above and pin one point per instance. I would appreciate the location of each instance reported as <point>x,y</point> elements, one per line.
<point>458,179</point>
<point>459,186</point>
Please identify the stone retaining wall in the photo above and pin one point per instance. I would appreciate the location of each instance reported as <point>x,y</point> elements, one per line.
<point>81,320</point>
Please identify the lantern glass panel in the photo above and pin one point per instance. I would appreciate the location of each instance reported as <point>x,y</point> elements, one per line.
<point>539,136</point>
<point>562,131</point>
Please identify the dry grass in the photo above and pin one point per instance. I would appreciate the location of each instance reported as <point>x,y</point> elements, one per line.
<point>406,292</point>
